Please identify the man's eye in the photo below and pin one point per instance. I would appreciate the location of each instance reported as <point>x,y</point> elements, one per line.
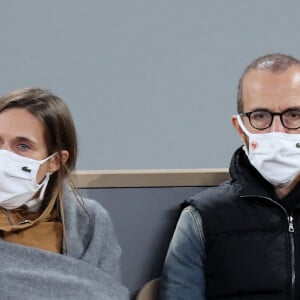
<point>293,114</point>
<point>260,115</point>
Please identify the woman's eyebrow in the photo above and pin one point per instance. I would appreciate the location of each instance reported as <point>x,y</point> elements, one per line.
<point>26,140</point>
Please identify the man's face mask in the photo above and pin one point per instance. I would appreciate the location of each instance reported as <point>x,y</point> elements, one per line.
<point>275,155</point>
<point>18,179</point>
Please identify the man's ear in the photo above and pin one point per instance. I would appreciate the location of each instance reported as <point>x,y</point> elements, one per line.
<point>55,162</point>
<point>238,129</point>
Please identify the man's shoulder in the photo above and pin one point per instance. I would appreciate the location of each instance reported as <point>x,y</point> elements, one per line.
<point>224,189</point>
<point>222,194</point>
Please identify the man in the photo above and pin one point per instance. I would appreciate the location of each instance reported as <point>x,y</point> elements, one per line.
<point>241,240</point>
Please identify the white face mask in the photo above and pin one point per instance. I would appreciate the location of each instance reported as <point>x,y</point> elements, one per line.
<point>18,179</point>
<point>275,155</point>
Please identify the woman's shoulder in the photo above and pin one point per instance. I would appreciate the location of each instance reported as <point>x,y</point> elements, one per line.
<point>83,207</point>
<point>88,226</point>
<point>93,206</point>
<point>94,209</point>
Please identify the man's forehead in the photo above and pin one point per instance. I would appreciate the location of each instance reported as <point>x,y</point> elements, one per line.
<point>276,91</point>
<point>291,74</point>
<point>266,81</point>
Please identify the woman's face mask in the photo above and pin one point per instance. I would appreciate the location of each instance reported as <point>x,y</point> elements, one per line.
<point>18,179</point>
<point>275,155</point>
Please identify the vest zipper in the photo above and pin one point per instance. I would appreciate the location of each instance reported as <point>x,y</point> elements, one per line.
<point>291,224</point>
<point>291,234</point>
<point>291,231</point>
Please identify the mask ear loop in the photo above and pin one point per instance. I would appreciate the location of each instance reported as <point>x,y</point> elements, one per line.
<point>239,119</point>
<point>245,130</point>
<point>44,185</point>
<point>47,158</point>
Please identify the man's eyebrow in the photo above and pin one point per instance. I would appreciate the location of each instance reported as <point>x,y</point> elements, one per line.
<point>266,109</point>
<point>259,108</point>
<point>293,108</point>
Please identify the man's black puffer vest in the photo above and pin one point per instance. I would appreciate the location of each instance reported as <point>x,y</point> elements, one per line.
<point>248,237</point>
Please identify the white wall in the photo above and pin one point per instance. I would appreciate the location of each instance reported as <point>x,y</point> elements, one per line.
<point>151,84</point>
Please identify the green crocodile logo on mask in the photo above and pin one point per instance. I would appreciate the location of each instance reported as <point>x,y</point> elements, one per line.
<point>26,169</point>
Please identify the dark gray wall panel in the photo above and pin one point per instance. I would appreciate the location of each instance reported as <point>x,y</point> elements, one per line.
<point>144,220</point>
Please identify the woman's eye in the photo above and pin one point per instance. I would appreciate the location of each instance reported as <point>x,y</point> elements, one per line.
<point>23,147</point>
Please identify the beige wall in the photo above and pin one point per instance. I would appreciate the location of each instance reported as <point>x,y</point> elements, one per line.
<point>149,178</point>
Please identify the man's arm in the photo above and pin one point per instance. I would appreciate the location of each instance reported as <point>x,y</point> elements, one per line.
<point>183,275</point>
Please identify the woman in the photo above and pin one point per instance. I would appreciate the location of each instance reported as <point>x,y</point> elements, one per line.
<point>54,245</point>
